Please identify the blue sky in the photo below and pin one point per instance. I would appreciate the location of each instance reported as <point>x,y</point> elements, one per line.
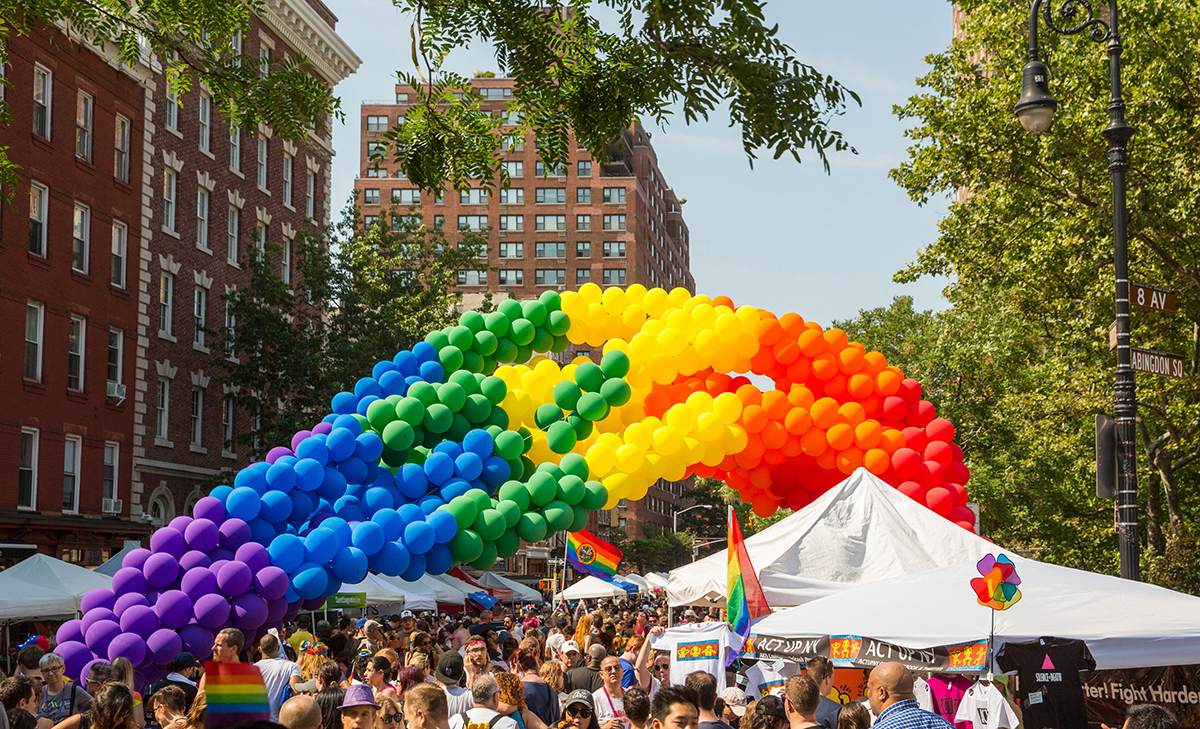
<point>784,236</point>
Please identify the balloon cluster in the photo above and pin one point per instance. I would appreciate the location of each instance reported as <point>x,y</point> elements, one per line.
<point>451,453</point>
<point>997,588</point>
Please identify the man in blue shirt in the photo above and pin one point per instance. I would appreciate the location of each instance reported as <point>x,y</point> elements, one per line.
<point>890,693</point>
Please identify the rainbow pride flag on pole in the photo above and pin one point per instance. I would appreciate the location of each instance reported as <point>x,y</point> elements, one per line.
<point>745,600</point>
<point>236,693</point>
<point>588,553</point>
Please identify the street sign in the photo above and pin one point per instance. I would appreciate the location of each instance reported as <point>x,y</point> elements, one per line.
<point>1151,297</point>
<point>1157,363</point>
<point>1112,336</point>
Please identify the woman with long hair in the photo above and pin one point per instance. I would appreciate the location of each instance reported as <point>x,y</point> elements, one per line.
<point>512,702</point>
<point>111,708</point>
<point>312,655</point>
<point>393,658</point>
<point>583,633</point>
<point>408,677</point>
<point>123,674</point>
<point>390,714</point>
<point>377,673</point>
<point>552,673</point>
<point>540,696</point>
<point>854,716</point>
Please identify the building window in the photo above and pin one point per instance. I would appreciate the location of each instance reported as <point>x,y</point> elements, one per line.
<point>35,319</point>
<point>80,238</point>
<point>111,455</point>
<point>472,278</point>
<point>27,470</point>
<point>119,235</point>
<point>227,424</point>
<point>235,147</point>
<point>162,408</point>
<point>262,162</point>
<point>204,104</point>
<point>583,222</point>
<point>512,222</point>
<point>614,249</point>
<point>170,178</point>
<point>583,195</point>
<point>39,198</point>
<point>75,351</point>
<point>43,90</point>
<point>614,194</point>
<point>549,277</point>
<point>230,330</point>
<point>83,126</point>
<point>439,222</point>
<point>371,196</point>
<point>544,170</point>
<point>473,196</point>
<point>583,249</point>
<point>199,304</point>
<point>614,222</point>
<point>514,169</point>
<point>512,277</point>
<point>72,453</point>
<point>370,221</point>
<point>550,222</point>
<point>166,296</point>
<point>232,233</point>
<point>512,196</point>
<point>310,198</point>
<point>121,144</point>
<point>288,162</point>
<point>260,239</point>
<point>399,222</point>
<point>173,109</point>
<point>406,196</point>
<point>551,195</point>
<point>377,149</point>
<point>496,94</point>
<point>197,416</point>
<point>264,61</point>
<point>614,277</point>
<point>201,218</point>
<point>116,338</point>
<point>512,250</point>
<point>377,123</point>
<point>472,222</point>
<point>584,168</point>
<point>582,276</point>
<point>550,250</point>
<point>286,262</point>
<point>401,98</point>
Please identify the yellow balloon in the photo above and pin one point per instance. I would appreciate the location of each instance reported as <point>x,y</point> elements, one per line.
<point>667,440</point>
<point>703,316</point>
<point>688,362</point>
<point>708,344</point>
<point>578,333</point>
<point>653,466</point>
<point>680,296</point>
<point>597,316</point>
<point>547,368</point>
<point>672,341</point>
<point>652,422</point>
<point>634,316</point>
<point>679,319</point>
<point>639,377</point>
<point>517,404</point>
<point>591,293</point>
<point>612,345</point>
<point>749,317</point>
<point>725,360</point>
<point>617,484</point>
<point>682,417</point>
<point>675,471</point>
<point>639,435</point>
<point>601,457</point>
<point>573,305</point>
<point>728,407</point>
<point>713,455</point>
<point>735,439</point>
<point>700,401</point>
<point>612,501</point>
<point>632,413</point>
<point>728,327</point>
<point>693,450</point>
<point>746,345</point>
<point>629,457</point>
<point>653,327</point>
<point>656,302</point>
<point>709,427</point>
<point>663,371</point>
<point>614,299</point>
<point>638,489</point>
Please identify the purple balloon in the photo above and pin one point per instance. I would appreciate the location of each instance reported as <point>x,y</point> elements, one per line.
<point>193,560</point>
<point>129,579</point>
<point>249,611</point>
<point>180,523</point>
<point>299,436</point>
<point>128,600</point>
<point>129,646</point>
<point>234,578</point>
<point>163,645</point>
<point>276,609</point>
<point>313,604</point>
<point>174,609</point>
<point>217,554</point>
<point>276,453</point>
<point>197,640</point>
<point>202,535</point>
<point>234,533</point>
<point>209,508</point>
<point>100,635</point>
<point>254,556</point>
<point>270,583</point>
<point>293,609</point>
<point>136,558</point>
<point>99,598</point>
<point>168,541</point>
<point>74,654</point>
<point>322,428</point>
<point>211,611</point>
<point>140,620</point>
<point>70,632</point>
<point>161,569</point>
<point>198,582</point>
<point>87,667</point>
<point>149,674</point>
<point>94,616</point>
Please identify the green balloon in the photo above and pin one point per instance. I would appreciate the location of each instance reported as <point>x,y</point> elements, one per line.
<point>583,428</point>
<point>395,459</point>
<point>494,389</point>
<point>438,339</point>
<point>571,489</point>
<point>398,436</point>
<point>546,415</point>
<point>453,396</point>
<point>496,323</point>
<point>418,453</point>
<point>511,308</point>
<point>592,406</point>
<point>510,511</point>
<point>579,519</point>
<point>362,421</point>
<point>380,413</point>
<point>558,323</point>
<point>461,337</point>
<point>589,376</point>
<point>551,300</point>
<point>522,333</point>
<point>485,342</point>
<point>509,445</point>
<point>532,527</point>
<point>561,437</point>
<point>477,408</point>
<point>393,399</point>
<point>489,524</point>
<point>465,380</point>
<point>513,492</point>
<point>542,340</point>
<point>542,488</point>
<point>615,392</point>
<point>566,394</point>
<point>558,515</point>
<point>524,353</point>
<point>487,557</point>
<point>489,365</point>
<point>498,417</point>
<point>527,440</point>
<point>472,320</point>
<point>459,427</point>
<point>472,361</point>
<point>433,438</point>
<point>516,467</point>
<point>595,496</point>
<point>508,544</point>
<point>527,465</point>
<point>535,311</point>
<point>438,418</point>
<point>424,392</point>
<point>464,511</point>
<point>551,468</point>
<point>574,464</point>
<point>560,343</point>
<point>466,546</point>
<point>614,363</point>
<point>494,431</point>
<point>450,357</point>
<point>480,498</point>
<point>506,350</point>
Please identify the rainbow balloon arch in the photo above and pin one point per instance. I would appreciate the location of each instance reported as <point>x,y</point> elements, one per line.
<point>450,453</point>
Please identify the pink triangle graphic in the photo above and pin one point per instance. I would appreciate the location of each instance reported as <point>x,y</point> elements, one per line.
<point>1046,664</point>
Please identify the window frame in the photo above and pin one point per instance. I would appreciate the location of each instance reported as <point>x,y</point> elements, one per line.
<point>583,276</point>
<point>118,259</point>
<point>583,249</point>
<point>81,238</point>
<point>228,413</point>
<point>583,221</point>
<point>35,443</point>
<point>76,358</point>
<point>166,302</point>
<point>289,161</point>
<point>310,199</point>
<point>233,226</point>
<point>85,107</point>
<point>199,316</point>
<point>170,198</point>
<point>162,409</point>
<point>121,151</point>
<point>75,473</point>
<point>235,148</point>
<point>120,352</point>
<point>506,193</point>
<point>39,343</point>
<point>285,263</point>
<point>203,205</point>
<point>517,273</point>
<point>204,119</point>
<point>109,481</point>
<point>262,158</point>
<point>43,210</point>
<point>196,418</point>
<point>44,108</point>
<point>171,108</point>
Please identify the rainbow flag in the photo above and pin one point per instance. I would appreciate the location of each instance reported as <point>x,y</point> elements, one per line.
<point>745,600</point>
<point>588,553</point>
<point>236,693</point>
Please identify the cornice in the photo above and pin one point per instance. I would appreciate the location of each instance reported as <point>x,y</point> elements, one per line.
<point>306,32</point>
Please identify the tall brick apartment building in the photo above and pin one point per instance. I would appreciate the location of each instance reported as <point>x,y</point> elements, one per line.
<point>613,224</point>
<point>140,205</point>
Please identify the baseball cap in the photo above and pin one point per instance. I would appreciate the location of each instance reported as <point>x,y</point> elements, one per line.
<point>735,699</point>
<point>770,706</point>
<point>580,696</point>
<point>359,694</point>
<point>689,613</point>
<point>407,614</point>
<point>450,667</point>
<point>372,625</point>
<point>361,622</point>
<point>569,646</point>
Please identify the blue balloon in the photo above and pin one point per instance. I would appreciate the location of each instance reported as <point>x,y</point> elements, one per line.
<point>310,581</point>
<point>424,352</point>
<point>432,372</point>
<point>329,418</point>
<point>411,380</point>
<point>286,459</point>
<point>419,537</point>
<point>448,447</point>
<point>406,362</point>
<point>243,503</point>
<point>385,479</point>
<point>341,443</point>
<point>287,552</point>
<point>391,560</point>
<point>350,566</point>
<point>430,504</point>
<point>372,472</point>
<point>411,481</point>
<point>349,509</point>
<point>276,507</point>
<point>468,466</point>
<point>368,536</point>
<point>410,513</point>
<point>309,474</point>
<point>314,448</point>
<point>281,477</point>
<point>382,367</point>
<point>415,569</point>
<point>367,386</point>
<point>353,469</point>
<point>445,526</point>
<point>389,520</point>
<point>368,447</point>
<point>333,484</point>
<point>479,442</point>
<point>376,499</point>
<point>341,528</point>
<point>439,467</point>
<point>495,471</point>
<point>392,383</point>
<point>438,559</point>
<point>350,423</point>
<point>220,493</point>
<point>251,477</point>
<point>320,546</point>
<point>302,505</point>
<point>357,490</point>
<point>262,531</point>
<point>334,583</point>
<point>365,403</point>
<point>344,402</point>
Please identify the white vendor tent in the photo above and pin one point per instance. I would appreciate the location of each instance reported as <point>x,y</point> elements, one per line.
<point>656,580</point>
<point>466,588</point>
<point>1125,624</point>
<point>44,587</point>
<point>643,585</point>
<point>430,586</point>
<point>860,531</point>
<point>591,587</point>
<point>521,593</point>
<point>381,592</point>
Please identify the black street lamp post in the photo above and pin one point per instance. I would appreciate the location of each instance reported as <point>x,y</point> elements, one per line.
<point>1035,110</point>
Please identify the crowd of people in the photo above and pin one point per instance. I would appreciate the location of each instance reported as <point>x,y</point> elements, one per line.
<point>595,667</point>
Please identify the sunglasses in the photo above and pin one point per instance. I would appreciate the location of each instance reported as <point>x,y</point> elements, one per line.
<point>583,712</point>
<point>389,718</point>
<point>659,667</point>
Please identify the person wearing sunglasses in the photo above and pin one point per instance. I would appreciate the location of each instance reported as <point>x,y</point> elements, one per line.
<point>609,699</point>
<point>579,711</point>
<point>389,715</point>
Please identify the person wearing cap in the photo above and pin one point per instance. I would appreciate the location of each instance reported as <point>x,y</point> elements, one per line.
<point>579,711</point>
<point>408,626</point>
<point>303,624</point>
<point>568,655</point>
<point>358,707</point>
<point>485,694</point>
<point>587,676</point>
<point>181,672</point>
<point>770,712</point>
<point>449,675</point>
<point>735,705</point>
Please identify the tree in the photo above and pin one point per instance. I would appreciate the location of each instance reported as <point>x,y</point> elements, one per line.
<point>1029,234</point>
<point>710,525</point>
<point>361,294</point>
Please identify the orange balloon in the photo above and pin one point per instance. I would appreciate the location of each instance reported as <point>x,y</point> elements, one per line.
<point>786,351</point>
<point>860,385</point>
<point>827,460</point>
<point>825,367</point>
<point>836,339</point>
<point>873,363</point>
<point>851,414</point>
<point>811,342</point>
<point>768,331</point>
<point>763,361</point>
<point>800,396</point>
<point>824,412</point>
<point>836,387</point>
<point>891,440</point>
<point>749,395</point>
<point>774,457</point>
<point>792,448</point>
<point>877,461</point>
<point>888,381</point>
<point>813,442</point>
<point>793,325</point>
<point>873,407</point>
<point>774,435</point>
<point>849,459</point>
<point>840,436</point>
<point>797,421</point>
<point>760,476</point>
<point>867,434</point>
<point>800,370</point>
<point>775,402</point>
<point>850,360</point>
<point>754,418</point>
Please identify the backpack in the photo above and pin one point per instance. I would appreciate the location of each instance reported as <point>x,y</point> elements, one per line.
<point>468,724</point>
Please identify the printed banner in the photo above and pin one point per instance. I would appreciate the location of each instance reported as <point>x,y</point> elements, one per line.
<point>345,600</point>
<point>856,651</point>
<point>1176,688</point>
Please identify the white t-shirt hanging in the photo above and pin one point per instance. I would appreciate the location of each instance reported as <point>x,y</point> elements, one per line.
<point>697,647</point>
<point>984,706</point>
<point>922,694</point>
<point>763,680</point>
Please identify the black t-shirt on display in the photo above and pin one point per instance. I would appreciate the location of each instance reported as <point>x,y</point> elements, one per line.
<point>1051,694</point>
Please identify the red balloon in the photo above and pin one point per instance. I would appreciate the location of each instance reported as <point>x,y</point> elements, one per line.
<point>940,429</point>
<point>912,490</point>
<point>921,414</point>
<point>961,513</point>
<point>915,438</point>
<point>905,462</point>
<point>930,474</point>
<point>958,473</point>
<point>939,500</point>
<point>939,452</point>
<point>958,452</point>
<point>910,390</point>
<point>894,408</point>
<point>960,494</point>
<point>969,526</point>
<point>796,498</point>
